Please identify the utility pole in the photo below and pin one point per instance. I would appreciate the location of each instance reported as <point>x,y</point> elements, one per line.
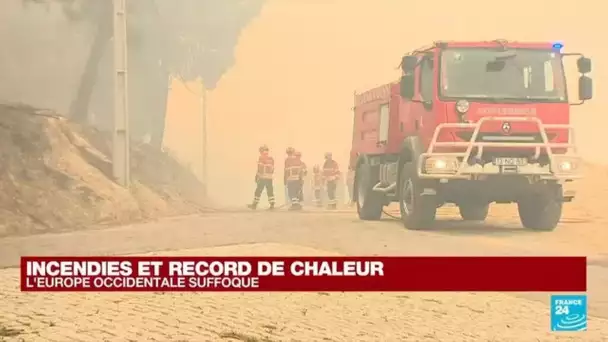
<point>120,156</point>
<point>204,137</point>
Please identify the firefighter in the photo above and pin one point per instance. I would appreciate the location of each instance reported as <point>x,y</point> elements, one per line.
<point>263,178</point>
<point>317,185</point>
<point>331,174</point>
<point>303,173</point>
<point>289,155</point>
<point>293,174</point>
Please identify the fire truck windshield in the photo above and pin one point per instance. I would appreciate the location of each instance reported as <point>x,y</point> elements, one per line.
<point>526,75</point>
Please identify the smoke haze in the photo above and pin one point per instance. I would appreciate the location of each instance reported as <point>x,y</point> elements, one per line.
<point>300,61</point>
<point>297,65</point>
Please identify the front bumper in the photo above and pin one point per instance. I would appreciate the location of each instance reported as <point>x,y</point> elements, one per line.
<point>456,165</point>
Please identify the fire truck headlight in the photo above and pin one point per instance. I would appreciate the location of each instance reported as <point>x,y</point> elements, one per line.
<point>441,165</point>
<point>462,106</point>
<point>566,166</point>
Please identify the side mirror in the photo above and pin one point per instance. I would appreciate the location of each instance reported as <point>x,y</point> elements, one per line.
<point>584,65</point>
<point>408,64</point>
<point>585,88</point>
<point>407,86</point>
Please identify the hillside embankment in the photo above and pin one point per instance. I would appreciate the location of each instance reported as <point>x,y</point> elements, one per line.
<point>56,175</point>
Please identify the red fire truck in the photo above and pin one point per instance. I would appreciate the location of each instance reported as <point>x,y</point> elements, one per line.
<point>469,123</point>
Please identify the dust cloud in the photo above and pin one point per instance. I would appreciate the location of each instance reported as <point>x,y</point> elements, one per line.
<point>299,62</point>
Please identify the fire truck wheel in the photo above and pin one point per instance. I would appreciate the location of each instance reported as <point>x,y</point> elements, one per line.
<point>474,211</point>
<point>417,211</point>
<point>541,212</point>
<point>369,202</point>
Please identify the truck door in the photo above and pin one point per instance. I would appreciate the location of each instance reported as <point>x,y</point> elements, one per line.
<point>425,108</point>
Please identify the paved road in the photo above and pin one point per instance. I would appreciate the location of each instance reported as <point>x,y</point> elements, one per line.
<point>340,233</point>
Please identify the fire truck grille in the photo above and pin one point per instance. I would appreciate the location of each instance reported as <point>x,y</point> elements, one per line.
<point>511,138</point>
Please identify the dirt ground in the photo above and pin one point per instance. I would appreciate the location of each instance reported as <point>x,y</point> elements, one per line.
<point>56,175</point>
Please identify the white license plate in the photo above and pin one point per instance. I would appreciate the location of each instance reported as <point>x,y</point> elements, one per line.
<point>510,161</point>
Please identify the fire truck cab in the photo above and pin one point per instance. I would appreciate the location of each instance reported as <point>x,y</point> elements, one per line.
<point>469,123</point>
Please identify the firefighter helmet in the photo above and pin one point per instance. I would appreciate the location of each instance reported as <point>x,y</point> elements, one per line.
<point>328,155</point>
<point>290,150</point>
<point>263,148</point>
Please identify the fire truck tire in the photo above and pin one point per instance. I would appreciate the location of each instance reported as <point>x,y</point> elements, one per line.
<point>474,211</point>
<point>541,212</point>
<point>417,212</point>
<point>369,202</point>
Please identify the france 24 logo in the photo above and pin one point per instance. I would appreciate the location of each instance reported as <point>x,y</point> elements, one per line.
<point>569,313</point>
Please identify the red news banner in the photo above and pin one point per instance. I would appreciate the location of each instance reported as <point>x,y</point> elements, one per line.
<point>98,274</point>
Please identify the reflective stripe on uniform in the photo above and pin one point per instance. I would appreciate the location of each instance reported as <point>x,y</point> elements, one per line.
<point>331,170</point>
<point>291,175</point>
<point>293,169</point>
<point>265,167</point>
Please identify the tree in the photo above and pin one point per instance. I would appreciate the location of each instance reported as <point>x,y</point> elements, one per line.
<point>186,38</point>
<point>99,14</point>
<point>211,54</point>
